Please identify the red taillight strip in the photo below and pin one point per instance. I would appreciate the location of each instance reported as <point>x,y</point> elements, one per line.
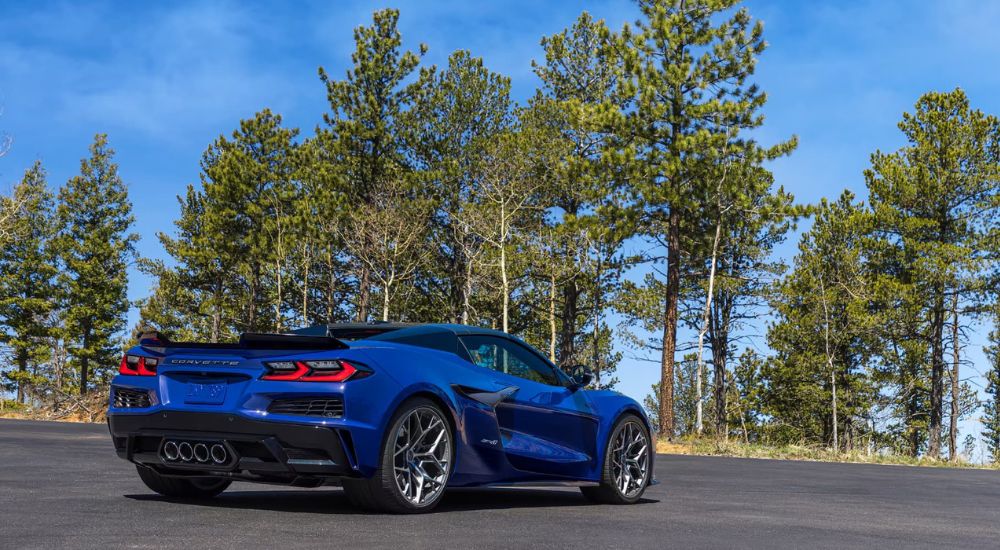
<point>346,371</point>
<point>305,373</point>
<point>144,366</point>
<point>300,370</point>
<point>124,367</point>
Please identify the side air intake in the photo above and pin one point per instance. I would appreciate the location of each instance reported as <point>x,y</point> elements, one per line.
<point>125,398</point>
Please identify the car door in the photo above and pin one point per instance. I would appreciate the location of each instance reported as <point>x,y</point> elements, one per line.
<point>545,426</point>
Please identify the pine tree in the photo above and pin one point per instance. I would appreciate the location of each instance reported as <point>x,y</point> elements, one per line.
<point>191,298</point>
<point>457,112</point>
<point>745,219</point>
<point>747,390</point>
<point>95,248</point>
<point>819,384</point>
<point>935,203</point>
<point>235,236</point>
<point>365,133</point>
<point>578,80</point>
<point>27,275</point>
<point>991,412</point>
<point>687,66</point>
<point>319,210</point>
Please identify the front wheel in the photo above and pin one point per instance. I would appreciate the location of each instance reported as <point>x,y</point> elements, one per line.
<point>627,460</point>
<point>417,455</point>
<point>196,487</point>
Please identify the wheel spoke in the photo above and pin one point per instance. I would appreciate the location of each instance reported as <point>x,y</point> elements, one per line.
<point>630,459</point>
<point>421,455</point>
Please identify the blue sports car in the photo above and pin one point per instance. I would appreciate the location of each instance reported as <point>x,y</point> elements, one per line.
<point>394,413</point>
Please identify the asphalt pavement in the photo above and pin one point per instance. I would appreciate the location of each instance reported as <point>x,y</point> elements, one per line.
<point>61,486</point>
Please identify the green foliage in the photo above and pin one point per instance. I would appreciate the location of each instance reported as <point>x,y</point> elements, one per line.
<point>95,248</point>
<point>584,229</point>
<point>822,336</point>
<point>27,276</point>
<point>363,145</point>
<point>457,113</point>
<point>688,103</point>
<point>235,238</point>
<point>991,408</point>
<point>935,208</point>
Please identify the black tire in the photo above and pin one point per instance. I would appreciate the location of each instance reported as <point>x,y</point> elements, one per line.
<point>380,492</point>
<point>201,487</point>
<point>608,492</point>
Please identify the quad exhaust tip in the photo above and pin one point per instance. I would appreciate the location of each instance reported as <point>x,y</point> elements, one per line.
<point>194,452</point>
<point>170,450</point>
<point>201,452</point>
<point>185,451</point>
<point>219,454</point>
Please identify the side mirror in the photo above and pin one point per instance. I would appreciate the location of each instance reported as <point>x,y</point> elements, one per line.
<point>581,375</point>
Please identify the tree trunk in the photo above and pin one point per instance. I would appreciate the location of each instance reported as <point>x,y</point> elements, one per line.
<point>699,423</point>
<point>216,328</point>
<point>278,298</point>
<point>254,289</point>
<point>912,410</point>
<point>22,367</point>
<point>598,310</point>
<point>385,301</point>
<point>955,358</point>
<point>505,284</point>
<point>331,284</point>
<point>719,336</point>
<point>467,293</point>
<point>457,272</point>
<point>670,325</point>
<point>58,362</point>
<point>305,293</point>
<point>937,376</point>
<point>570,309</point>
<point>364,282</point>
<point>85,360</point>
<point>84,374</point>
<point>552,317</point>
<point>829,361</point>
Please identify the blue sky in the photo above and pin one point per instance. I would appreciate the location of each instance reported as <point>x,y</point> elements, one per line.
<point>164,79</point>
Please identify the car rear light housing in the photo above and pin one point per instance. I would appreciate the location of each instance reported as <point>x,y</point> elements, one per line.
<point>138,365</point>
<point>318,370</point>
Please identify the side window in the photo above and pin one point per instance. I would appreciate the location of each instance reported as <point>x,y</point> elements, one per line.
<point>506,356</point>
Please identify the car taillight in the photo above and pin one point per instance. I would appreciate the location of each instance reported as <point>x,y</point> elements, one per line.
<point>138,365</point>
<point>326,370</point>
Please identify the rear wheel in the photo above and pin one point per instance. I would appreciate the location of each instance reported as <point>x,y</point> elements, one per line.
<point>627,461</point>
<point>417,456</point>
<point>198,487</point>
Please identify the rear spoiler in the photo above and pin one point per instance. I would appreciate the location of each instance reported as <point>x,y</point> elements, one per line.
<point>249,340</point>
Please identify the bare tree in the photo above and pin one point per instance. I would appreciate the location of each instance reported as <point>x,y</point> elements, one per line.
<point>12,205</point>
<point>502,197</point>
<point>387,237</point>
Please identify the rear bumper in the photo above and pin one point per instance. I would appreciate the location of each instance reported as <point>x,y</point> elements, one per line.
<point>299,454</point>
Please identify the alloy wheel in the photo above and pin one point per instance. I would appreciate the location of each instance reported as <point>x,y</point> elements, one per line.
<point>421,456</point>
<point>630,459</point>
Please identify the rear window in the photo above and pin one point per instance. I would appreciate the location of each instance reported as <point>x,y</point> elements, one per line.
<point>424,337</point>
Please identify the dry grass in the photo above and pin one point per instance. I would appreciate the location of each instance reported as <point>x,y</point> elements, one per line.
<point>713,447</point>
<point>91,409</point>
<point>45,415</point>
